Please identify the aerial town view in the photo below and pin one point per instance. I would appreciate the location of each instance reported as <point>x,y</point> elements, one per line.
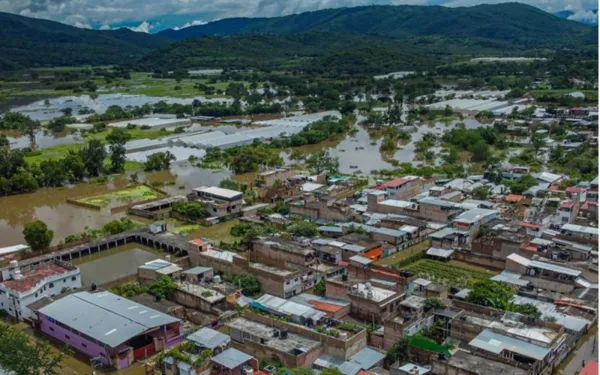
<point>348,187</point>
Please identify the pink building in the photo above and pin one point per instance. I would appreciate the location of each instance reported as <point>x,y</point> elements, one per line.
<point>111,330</point>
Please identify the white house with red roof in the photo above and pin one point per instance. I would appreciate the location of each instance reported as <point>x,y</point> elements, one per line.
<point>22,287</point>
<point>403,188</point>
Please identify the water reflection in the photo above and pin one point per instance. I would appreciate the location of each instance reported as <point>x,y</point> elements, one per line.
<point>50,108</point>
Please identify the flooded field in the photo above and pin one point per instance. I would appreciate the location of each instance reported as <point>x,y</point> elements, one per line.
<point>356,153</point>
<point>121,197</point>
<point>117,263</point>
<point>50,108</point>
<point>50,206</point>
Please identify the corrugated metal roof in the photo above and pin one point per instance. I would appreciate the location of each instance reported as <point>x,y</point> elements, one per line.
<point>580,229</point>
<point>360,259</point>
<point>197,270</point>
<point>349,368</point>
<point>367,358</point>
<point>105,317</point>
<point>555,268</point>
<point>510,278</point>
<point>290,308</point>
<point>209,338</point>
<point>437,252</point>
<point>496,343</point>
<point>231,358</point>
<point>572,323</point>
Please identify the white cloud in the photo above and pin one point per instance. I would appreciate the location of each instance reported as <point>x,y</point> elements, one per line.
<point>83,13</point>
<point>104,27</point>
<point>585,16</point>
<point>193,23</point>
<point>143,27</point>
<point>82,25</point>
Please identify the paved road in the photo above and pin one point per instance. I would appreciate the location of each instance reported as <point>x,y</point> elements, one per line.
<point>589,350</point>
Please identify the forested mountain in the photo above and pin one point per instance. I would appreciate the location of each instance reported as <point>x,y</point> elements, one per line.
<point>511,22</point>
<point>314,51</point>
<point>30,42</point>
<point>384,37</point>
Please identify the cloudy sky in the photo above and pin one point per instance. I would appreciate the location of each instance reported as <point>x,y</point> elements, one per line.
<point>154,15</point>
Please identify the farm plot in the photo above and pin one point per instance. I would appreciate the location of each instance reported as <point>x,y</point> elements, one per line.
<point>447,274</point>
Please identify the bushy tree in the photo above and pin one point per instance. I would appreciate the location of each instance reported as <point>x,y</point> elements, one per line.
<point>159,161</point>
<point>117,139</point>
<point>322,161</point>
<point>320,288</point>
<point>303,229</point>
<point>37,235</point>
<point>191,210</point>
<point>249,283</point>
<point>22,355</point>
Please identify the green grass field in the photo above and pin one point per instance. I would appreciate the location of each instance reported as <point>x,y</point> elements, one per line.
<point>457,274</point>
<point>129,195</point>
<point>403,254</point>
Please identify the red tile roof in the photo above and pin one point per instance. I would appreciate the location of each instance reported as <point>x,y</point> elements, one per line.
<point>198,242</point>
<point>396,182</point>
<point>589,205</point>
<point>531,248</point>
<point>327,307</point>
<point>575,189</point>
<point>31,278</point>
<point>568,205</point>
<point>514,198</point>
<point>530,225</point>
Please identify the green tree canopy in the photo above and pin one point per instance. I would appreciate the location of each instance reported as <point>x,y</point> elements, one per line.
<point>23,355</point>
<point>37,235</point>
<point>303,229</point>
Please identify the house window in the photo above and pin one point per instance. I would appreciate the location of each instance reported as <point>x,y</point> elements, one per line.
<point>68,337</point>
<point>51,285</point>
<point>64,281</point>
<point>84,345</point>
<point>51,329</point>
<point>73,278</point>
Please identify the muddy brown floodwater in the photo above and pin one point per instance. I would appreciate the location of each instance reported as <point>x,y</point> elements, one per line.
<point>49,204</point>
<point>355,152</point>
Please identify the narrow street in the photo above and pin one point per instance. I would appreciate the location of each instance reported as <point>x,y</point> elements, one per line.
<point>587,351</point>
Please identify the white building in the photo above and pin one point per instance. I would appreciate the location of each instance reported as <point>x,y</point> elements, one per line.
<point>21,288</point>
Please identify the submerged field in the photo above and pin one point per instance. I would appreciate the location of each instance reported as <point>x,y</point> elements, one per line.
<point>121,197</point>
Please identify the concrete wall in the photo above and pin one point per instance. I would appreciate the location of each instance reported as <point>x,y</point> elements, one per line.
<point>433,212</point>
<point>481,260</point>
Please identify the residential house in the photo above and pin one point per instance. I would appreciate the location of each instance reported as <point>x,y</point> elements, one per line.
<point>219,202</point>
<point>24,286</point>
<point>157,268</point>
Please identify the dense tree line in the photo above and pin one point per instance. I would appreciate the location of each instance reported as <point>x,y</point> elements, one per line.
<point>19,176</point>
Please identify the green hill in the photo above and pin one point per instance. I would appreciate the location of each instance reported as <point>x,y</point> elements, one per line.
<point>510,22</point>
<point>31,42</point>
<point>317,52</point>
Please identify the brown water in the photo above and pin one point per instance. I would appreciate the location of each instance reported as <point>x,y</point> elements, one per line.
<point>43,139</point>
<point>49,204</point>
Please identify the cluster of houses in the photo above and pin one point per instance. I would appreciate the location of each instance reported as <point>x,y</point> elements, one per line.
<point>543,245</point>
